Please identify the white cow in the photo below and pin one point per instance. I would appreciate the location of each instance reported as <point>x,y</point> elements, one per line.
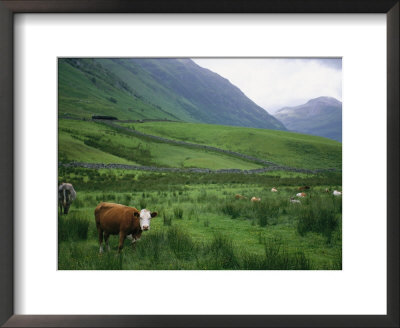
<point>337,193</point>
<point>294,201</point>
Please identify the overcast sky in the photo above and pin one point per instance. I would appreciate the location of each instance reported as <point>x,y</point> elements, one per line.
<point>273,83</point>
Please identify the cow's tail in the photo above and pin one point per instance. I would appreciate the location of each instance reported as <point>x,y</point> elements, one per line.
<point>97,214</point>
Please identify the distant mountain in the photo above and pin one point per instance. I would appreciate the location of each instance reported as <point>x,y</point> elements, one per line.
<point>173,89</point>
<point>320,116</point>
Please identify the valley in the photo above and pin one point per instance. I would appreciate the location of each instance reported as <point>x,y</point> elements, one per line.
<point>184,142</point>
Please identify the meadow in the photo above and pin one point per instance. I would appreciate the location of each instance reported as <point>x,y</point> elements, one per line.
<point>91,142</point>
<point>281,147</point>
<point>200,223</point>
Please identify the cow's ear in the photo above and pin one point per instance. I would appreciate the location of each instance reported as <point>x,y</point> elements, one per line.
<point>154,214</point>
<point>136,214</point>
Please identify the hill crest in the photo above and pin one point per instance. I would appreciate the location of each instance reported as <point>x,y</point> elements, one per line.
<point>320,116</point>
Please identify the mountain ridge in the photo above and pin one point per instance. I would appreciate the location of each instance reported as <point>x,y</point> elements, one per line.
<point>321,116</point>
<point>155,88</point>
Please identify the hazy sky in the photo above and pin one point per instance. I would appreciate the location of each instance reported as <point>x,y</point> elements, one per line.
<point>273,83</point>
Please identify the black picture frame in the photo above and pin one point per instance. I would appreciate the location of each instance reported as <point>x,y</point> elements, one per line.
<point>7,201</point>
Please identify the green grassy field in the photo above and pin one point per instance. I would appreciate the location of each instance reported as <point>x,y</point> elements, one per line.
<point>200,224</point>
<point>87,141</point>
<point>285,148</point>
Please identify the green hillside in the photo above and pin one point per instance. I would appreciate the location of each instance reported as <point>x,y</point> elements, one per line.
<point>86,88</point>
<point>281,147</point>
<point>188,117</point>
<point>172,89</point>
<point>85,141</point>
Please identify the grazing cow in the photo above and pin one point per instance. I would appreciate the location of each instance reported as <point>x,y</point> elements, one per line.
<point>304,188</point>
<point>337,193</point>
<point>327,190</point>
<point>66,195</point>
<point>295,201</point>
<point>237,196</point>
<point>274,190</point>
<point>114,219</point>
<point>301,194</point>
<point>255,199</point>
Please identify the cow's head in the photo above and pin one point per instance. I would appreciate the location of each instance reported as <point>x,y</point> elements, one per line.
<point>144,217</point>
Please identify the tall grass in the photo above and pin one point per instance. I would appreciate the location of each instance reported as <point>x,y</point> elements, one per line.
<point>321,216</point>
<point>181,243</point>
<point>114,180</point>
<point>178,212</point>
<point>221,253</point>
<point>77,256</point>
<point>232,209</point>
<point>261,212</point>
<point>167,219</point>
<point>175,249</point>
<point>206,239</point>
<point>142,203</point>
<point>277,257</point>
<point>72,227</point>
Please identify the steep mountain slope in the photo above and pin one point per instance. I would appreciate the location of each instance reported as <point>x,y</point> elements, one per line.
<point>172,89</point>
<point>320,116</point>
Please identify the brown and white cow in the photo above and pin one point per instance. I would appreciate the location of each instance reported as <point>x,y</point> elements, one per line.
<point>301,194</point>
<point>304,188</point>
<point>238,196</point>
<point>274,189</point>
<point>114,219</point>
<point>255,199</point>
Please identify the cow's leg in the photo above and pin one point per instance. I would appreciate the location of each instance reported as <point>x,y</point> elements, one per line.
<point>134,237</point>
<point>122,236</point>
<point>100,239</point>
<point>137,236</point>
<point>106,236</point>
<point>61,208</point>
<point>66,209</point>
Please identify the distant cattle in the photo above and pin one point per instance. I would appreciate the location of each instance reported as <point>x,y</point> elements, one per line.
<point>114,219</point>
<point>295,201</point>
<point>327,190</point>
<point>274,190</point>
<point>237,196</point>
<point>304,188</point>
<point>301,194</point>
<point>255,199</point>
<point>66,195</point>
<point>337,193</point>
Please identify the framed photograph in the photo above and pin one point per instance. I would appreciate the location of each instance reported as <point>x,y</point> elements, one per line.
<point>199,164</point>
